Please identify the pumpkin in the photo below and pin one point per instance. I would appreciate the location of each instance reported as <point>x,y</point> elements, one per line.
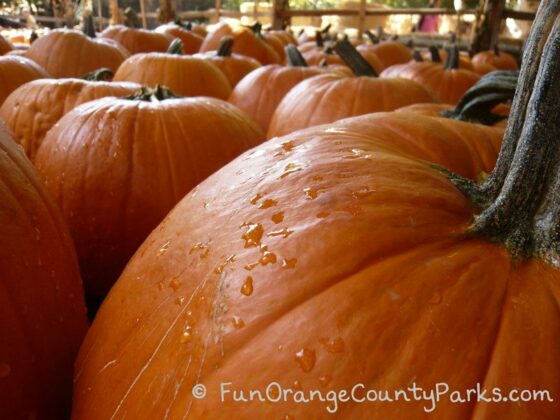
<point>283,36</point>
<point>388,52</point>
<point>138,156</point>
<point>448,83</point>
<point>247,41</point>
<point>185,75</point>
<point>56,52</point>
<point>137,40</point>
<point>16,71</point>
<point>194,27</point>
<point>259,93</point>
<point>5,45</point>
<point>382,269</point>
<point>328,98</point>
<point>43,316</point>
<point>191,40</point>
<point>496,58</point>
<point>234,66</point>
<point>32,109</point>
<point>277,45</point>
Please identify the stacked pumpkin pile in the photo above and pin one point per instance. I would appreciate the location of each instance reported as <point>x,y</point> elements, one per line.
<point>255,208</point>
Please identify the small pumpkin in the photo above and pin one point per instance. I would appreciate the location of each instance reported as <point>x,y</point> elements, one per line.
<point>234,66</point>
<point>32,109</point>
<point>496,58</point>
<point>117,166</point>
<point>328,98</point>
<point>185,75</point>
<point>16,71</point>
<point>137,40</point>
<point>42,311</point>
<point>191,40</point>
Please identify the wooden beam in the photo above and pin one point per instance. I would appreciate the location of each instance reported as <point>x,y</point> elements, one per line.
<point>489,32</point>
<point>362,19</point>
<point>373,12</point>
<point>279,17</point>
<point>143,14</point>
<point>218,10</point>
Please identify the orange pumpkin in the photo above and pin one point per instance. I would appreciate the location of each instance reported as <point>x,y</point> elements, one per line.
<point>32,109</point>
<point>448,83</point>
<point>42,310</point>
<point>277,45</point>
<point>191,26</point>
<point>5,45</point>
<point>259,93</point>
<point>247,41</point>
<point>137,40</point>
<point>185,75</point>
<point>57,53</point>
<point>138,156</point>
<point>284,36</point>
<point>328,98</point>
<point>496,58</point>
<point>16,71</point>
<point>388,52</point>
<point>191,40</point>
<point>234,66</point>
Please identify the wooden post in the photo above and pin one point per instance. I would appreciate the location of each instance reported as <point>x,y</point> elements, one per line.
<point>278,21</point>
<point>362,19</point>
<point>100,14</point>
<point>143,14</point>
<point>218,10</point>
<point>256,10</point>
<point>489,31</point>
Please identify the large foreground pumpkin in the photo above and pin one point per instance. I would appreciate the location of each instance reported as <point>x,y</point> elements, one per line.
<point>340,256</point>
<point>117,166</point>
<point>42,312</point>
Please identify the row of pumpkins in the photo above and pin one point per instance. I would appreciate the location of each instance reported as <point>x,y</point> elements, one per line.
<point>308,259</point>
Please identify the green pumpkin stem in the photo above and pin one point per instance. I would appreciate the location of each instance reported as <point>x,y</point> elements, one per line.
<point>33,37</point>
<point>496,50</point>
<point>295,59</point>
<point>372,37</point>
<point>226,46</point>
<point>416,56</point>
<point>146,94</point>
<point>319,39</point>
<point>100,75</point>
<point>434,54</point>
<point>452,61</point>
<point>519,203</point>
<point>176,47</point>
<point>353,59</point>
<point>89,27</point>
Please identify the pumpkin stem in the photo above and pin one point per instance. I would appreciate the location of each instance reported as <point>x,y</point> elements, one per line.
<point>295,59</point>
<point>225,47</point>
<point>179,22</point>
<point>416,56</point>
<point>176,47</point>
<point>33,37</point>
<point>160,93</point>
<point>477,103</point>
<point>372,38</point>
<point>257,29</point>
<point>520,201</point>
<point>100,75</point>
<point>89,27</point>
<point>353,59</point>
<point>452,61</point>
<point>326,29</point>
<point>434,54</point>
<point>496,50</point>
<point>319,39</point>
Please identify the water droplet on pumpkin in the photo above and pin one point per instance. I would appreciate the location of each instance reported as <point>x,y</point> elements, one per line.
<point>163,249</point>
<point>247,288</point>
<point>280,347</point>
<point>333,345</point>
<point>197,247</point>
<point>323,214</point>
<point>5,370</point>
<point>435,299</point>
<point>268,258</point>
<point>290,168</point>
<point>306,359</point>
<point>325,380</point>
<point>282,232</point>
<point>297,385</point>
<point>362,193</point>
<point>267,204</point>
<point>179,300</point>
<point>186,336</point>
<point>288,146</point>
<point>251,266</point>
<point>174,284</point>
<point>237,322</point>
<point>289,417</point>
<point>278,217</point>
<point>289,263</point>
<point>220,268</point>
<point>256,198</point>
<point>253,235</point>
<point>310,193</point>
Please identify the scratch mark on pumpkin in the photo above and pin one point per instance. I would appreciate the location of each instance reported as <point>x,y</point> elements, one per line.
<point>199,373</point>
<point>178,387</point>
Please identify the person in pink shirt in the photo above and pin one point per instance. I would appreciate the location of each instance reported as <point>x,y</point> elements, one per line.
<point>429,23</point>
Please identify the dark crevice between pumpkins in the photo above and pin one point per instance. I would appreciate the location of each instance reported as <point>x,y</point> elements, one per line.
<point>353,59</point>
<point>477,103</point>
<point>146,94</point>
<point>99,75</point>
<point>295,59</point>
<point>519,202</point>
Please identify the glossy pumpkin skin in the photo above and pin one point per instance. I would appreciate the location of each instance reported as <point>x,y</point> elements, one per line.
<point>329,98</point>
<point>43,316</point>
<point>388,52</point>
<point>184,75</point>
<point>235,67</point>
<point>57,53</point>
<point>190,39</point>
<point>138,159</point>
<point>500,61</point>
<point>362,259</point>
<point>245,42</point>
<point>260,92</point>
<point>16,71</point>
<point>5,45</point>
<point>137,40</point>
<point>32,109</point>
<point>448,85</point>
